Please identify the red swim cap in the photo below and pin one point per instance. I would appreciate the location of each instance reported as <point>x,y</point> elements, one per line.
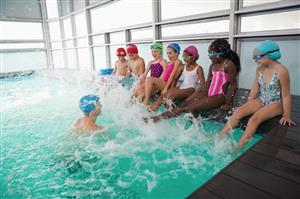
<point>132,49</point>
<point>121,52</point>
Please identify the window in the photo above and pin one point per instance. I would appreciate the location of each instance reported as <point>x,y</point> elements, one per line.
<point>80,22</point>
<point>58,59</point>
<point>141,34</point>
<point>121,14</point>
<point>67,28</point>
<point>99,58</point>
<point>71,58</point>
<point>54,30</point>
<point>52,10</point>
<point>276,21</point>
<point>180,8</point>
<point>78,4</point>
<point>118,37</point>
<point>11,30</point>
<point>20,61</point>
<point>21,45</point>
<point>69,43</point>
<point>82,42</point>
<point>194,29</point>
<point>84,58</point>
<point>99,39</point>
<point>257,2</point>
<point>56,45</point>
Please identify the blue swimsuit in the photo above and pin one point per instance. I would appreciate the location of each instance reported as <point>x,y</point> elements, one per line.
<point>269,93</point>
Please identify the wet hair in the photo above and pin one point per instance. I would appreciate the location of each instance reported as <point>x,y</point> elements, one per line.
<point>222,46</point>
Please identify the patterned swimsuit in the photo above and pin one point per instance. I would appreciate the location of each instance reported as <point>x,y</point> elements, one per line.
<point>269,93</point>
<point>156,70</point>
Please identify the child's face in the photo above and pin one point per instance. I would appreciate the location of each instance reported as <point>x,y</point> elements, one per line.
<point>97,110</point>
<point>155,53</point>
<point>213,58</point>
<point>187,58</point>
<point>260,60</point>
<point>172,55</point>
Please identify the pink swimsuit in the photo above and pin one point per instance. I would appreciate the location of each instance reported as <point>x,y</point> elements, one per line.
<point>218,80</point>
<point>167,72</point>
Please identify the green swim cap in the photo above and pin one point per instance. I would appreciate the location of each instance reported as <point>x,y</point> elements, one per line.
<point>157,46</point>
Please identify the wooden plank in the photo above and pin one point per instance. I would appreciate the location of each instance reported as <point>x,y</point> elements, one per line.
<point>262,180</point>
<point>228,187</point>
<point>271,165</point>
<point>278,153</point>
<point>203,193</point>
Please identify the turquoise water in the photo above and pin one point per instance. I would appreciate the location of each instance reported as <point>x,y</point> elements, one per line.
<point>42,156</point>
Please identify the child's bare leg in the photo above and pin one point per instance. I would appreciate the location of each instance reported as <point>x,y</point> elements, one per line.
<point>248,108</point>
<point>260,116</point>
<point>157,103</point>
<point>152,83</point>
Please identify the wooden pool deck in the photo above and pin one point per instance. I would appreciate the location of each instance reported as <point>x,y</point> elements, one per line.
<point>270,169</point>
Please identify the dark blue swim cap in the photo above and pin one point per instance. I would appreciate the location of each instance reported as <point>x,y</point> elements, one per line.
<point>88,103</point>
<point>175,47</point>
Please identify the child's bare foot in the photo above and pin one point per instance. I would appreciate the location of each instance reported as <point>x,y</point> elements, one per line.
<point>155,119</point>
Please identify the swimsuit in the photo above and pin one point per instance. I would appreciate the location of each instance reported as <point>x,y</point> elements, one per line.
<point>156,70</point>
<point>190,78</point>
<point>269,93</point>
<point>167,72</point>
<point>219,78</point>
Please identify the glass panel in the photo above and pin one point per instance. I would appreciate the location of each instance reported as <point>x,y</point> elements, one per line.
<point>82,42</point>
<point>290,52</point>
<point>20,61</point>
<point>84,59</point>
<point>58,58</point>
<point>257,2</point>
<point>69,43</point>
<point>21,45</point>
<point>178,8</point>
<point>67,28</point>
<point>194,29</point>
<point>118,37</point>
<point>56,45</point>
<point>95,1</point>
<point>81,27</point>
<point>99,58</point>
<point>78,4</point>
<point>52,10</point>
<point>276,21</point>
<point>11,30</point>
<point>54,29</point>
<point>65,7</point>
<point>141,34</point>
<point>202,47</point>
<point>99,39</point>
<point>71,58</point>
<point>130,13</point>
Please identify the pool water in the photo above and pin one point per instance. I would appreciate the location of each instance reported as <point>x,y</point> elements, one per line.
<point>43,156</point>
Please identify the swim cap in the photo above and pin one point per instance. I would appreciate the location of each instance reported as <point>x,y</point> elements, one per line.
<point>175,47</point>
<point>193,51</point>
<point>132,49</point>
<point>121,52</point>
<point>157,46</point>
<point>88,103</point>
<point>268,46</point>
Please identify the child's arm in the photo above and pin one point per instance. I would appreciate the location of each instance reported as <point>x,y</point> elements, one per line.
<point>164,65</point>
<point>286,97</point>
<point>208,81</point>
<point>115,69</point>
<point>255,87</point>
<point>142,67</point>
<point>171,78</point>
<point>144,75</point>
<point>232,73</point>
<point>201,78</point>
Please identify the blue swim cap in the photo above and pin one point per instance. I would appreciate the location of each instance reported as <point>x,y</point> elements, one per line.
<point>268,46</point>
<point>88,103</point>
<point>175,47</point>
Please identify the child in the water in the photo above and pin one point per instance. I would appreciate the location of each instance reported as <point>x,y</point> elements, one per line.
<point>91,108</point>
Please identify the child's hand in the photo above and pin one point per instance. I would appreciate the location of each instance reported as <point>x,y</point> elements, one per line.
<point>288,121</point>
<point>164,92</point>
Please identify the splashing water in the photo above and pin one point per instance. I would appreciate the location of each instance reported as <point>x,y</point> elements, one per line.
<point>42,156</point>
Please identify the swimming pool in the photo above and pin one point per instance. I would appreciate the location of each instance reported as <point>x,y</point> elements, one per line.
<point>41,156</point>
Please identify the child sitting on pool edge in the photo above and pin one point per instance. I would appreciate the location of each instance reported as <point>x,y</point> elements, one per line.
<point>91,108</point>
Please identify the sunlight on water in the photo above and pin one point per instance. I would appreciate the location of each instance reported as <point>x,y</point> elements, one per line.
<point>43,156</point>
